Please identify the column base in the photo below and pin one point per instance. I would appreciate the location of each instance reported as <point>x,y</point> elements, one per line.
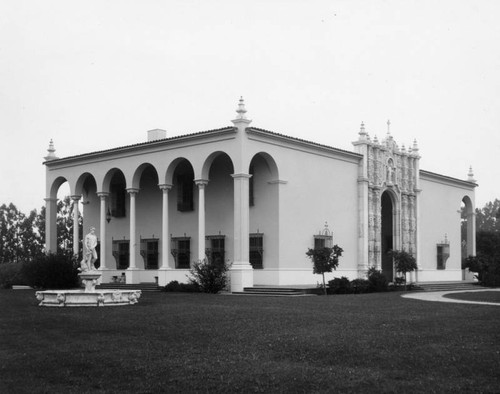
<point>132,275</point>
<point>241,276</point>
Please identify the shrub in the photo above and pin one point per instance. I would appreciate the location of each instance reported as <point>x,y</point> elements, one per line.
<point>52,271</point>
<point>210,275</point>
<point>339,286</point>
<point>177,287</point>
<point>10,274</point>
<point>378,281</point>
<point>360,286</point>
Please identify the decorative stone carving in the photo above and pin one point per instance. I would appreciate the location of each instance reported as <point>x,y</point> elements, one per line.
<point>389,167</point>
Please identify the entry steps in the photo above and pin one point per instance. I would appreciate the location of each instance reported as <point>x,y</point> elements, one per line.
<point>447,286</point>
<point>144,286</point>
<point>278,291</point>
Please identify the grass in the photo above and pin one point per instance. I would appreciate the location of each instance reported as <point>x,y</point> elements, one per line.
<point>480,296</point>
<point>211,343</point>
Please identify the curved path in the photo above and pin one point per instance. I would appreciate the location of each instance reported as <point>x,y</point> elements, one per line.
<point>439,296</point>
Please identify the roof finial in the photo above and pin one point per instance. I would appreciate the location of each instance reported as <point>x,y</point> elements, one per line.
<point>241,109</point>
<point>388,127</point>
<point>470,175</point>
<point>415,147</point>
<point>51,150</point>
<point>363,135</point>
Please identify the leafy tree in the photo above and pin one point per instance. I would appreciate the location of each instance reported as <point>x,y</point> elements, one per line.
<point>404,262</point>
<point>488,217</point>
<point>325,260</point>
<point>19,240</point>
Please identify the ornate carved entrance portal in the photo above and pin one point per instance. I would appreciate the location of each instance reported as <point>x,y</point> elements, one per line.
<point>390,183</point>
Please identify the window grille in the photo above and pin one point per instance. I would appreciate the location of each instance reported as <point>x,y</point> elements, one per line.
<point>324,238</point>
<point>216,250</point>
<point>257,250</point>
<point>181,250</point>
<point>149,252</point>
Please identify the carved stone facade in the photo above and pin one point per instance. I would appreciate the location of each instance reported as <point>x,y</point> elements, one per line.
<point>387,168</point>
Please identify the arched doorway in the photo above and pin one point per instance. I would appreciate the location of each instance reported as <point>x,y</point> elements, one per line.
<point>387,235</point>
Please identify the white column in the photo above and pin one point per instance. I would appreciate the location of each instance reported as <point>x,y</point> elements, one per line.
<point>102,229</point>
<point>241,270</point>
<point>201,183</point>
<point>51,225</point>
<point>133,244</point>
<point>165,240</point>
<point>76,235</point>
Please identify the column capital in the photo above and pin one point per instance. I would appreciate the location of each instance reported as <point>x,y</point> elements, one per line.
<point>75,197</point>
<point>132,190</point>
<point>201,182</point>
<point>241,175</point>
<point>102,195</point>
<point>50,199</point>
<point>165,186</point>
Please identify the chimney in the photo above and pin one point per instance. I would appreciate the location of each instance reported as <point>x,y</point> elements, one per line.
<point>156,134</point>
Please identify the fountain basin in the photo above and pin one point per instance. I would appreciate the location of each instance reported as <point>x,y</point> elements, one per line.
<point>108,297</point>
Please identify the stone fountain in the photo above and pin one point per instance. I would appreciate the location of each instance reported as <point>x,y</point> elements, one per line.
<point>89,296</point>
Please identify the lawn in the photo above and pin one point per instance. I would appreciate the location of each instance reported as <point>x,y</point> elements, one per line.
<point>479,296</point>
<point>214,343</point>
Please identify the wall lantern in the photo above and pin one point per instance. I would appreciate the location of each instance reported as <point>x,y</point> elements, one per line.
<point>108,216</point>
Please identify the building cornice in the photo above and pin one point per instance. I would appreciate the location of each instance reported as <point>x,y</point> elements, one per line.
<point>276,138</point>
<point>447,180</point>
<point>144,146</point>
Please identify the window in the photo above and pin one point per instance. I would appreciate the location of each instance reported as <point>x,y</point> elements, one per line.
<point>216,251</point>
<point>121,252</point>
<point>181,250</point>
<point>149,252</point>
<point>443,252</point>
<point>257,250</point>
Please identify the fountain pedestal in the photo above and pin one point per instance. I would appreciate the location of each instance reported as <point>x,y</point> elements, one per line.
<point>89,296</point>
<point>89,280</point>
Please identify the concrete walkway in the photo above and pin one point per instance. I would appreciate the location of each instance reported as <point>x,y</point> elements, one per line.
<point>439,296</point>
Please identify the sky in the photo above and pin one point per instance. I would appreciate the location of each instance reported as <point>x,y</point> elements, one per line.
<point>94,75</point>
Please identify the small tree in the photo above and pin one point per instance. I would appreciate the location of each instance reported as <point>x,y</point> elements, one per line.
<point>325,260</point>
<point>404,262</point>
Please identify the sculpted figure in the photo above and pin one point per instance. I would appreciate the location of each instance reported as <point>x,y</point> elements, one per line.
<point>90,254</point>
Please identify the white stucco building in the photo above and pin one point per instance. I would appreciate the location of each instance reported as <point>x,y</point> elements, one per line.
<point>260,199</point>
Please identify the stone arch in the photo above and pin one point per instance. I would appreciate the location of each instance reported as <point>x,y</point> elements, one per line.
<point>207,164</point>
<point>271,164</point>
<point>469,227</point>
<point>136,178</point>
<point>56,184</point>
<point>105,187</point>
<point>390,230</point>
<point>169,174</point>
<point>82,183</point>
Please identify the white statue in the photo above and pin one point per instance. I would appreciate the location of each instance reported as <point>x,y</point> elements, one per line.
<point>90,255</point>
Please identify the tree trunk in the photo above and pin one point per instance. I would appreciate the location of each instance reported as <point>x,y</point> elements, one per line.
<point>324,286</point>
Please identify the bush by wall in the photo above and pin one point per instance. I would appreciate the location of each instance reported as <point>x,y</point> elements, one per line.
<point>177,287</point>
<point>10,274</point>
<point>210,275</point>
<point>52,271</point>
<point>360,286</point>
<point>339,286</point>
<point>377,280</point>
